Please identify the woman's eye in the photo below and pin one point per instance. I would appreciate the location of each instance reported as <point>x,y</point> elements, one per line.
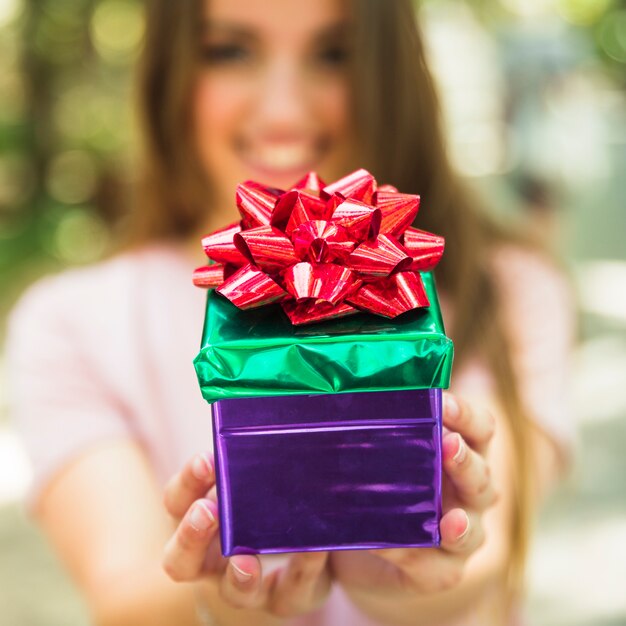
<point>333,55</point>
<point>224,53</point>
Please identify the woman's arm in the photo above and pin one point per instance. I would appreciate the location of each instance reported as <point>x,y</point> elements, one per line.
<point>104,514</point>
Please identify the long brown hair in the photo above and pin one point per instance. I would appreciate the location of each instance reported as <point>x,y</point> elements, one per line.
<point>401,142</point>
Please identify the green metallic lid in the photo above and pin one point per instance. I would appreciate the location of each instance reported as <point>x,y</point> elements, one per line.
<point>260,353</point>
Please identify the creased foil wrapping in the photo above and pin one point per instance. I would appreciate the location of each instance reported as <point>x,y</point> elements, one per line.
<point>329,472</point>
<point>260,353</point>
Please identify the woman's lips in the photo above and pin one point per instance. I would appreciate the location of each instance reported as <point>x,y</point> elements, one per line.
<point>282,160</point>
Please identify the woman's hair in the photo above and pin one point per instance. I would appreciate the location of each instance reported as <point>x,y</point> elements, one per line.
<point>397,117</point>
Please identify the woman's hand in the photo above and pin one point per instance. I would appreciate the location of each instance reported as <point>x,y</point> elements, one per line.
<point>193,554</point>
<point>467,493</point>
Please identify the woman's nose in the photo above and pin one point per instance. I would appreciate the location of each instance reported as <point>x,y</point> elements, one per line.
<point>282,101</point>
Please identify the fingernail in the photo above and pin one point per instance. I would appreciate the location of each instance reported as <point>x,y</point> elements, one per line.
<point>201,517</point>
<point>200,467</point>
<point>461,453</point>
<point>240,575</point>
<point>451,407</point>
<point>467,527</point>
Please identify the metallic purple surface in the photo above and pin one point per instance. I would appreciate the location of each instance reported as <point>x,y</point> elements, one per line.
<point>329,471</point>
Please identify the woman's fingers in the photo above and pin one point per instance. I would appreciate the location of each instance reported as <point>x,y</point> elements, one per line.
<point>435,570</point>
<point>298,588</point>
<point>186,550</point>
<point>461,533</point>
<point>241,585</point>
<point>301,586</point>
<point>468,471</point>
<point>190,484</point>
<point>425,570</point>
<point>476,425</point>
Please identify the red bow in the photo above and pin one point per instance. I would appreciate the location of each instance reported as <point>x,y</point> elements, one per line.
<point>322,251</point>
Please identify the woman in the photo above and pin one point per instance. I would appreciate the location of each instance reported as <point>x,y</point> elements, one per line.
<point>101,357</point>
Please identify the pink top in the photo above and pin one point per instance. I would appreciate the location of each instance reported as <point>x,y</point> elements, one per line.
<point>106,352</point>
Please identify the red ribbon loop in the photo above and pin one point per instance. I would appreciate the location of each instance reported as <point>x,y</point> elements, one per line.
<point>267,247</point>
<point>249,287</point>
<point>208,276</point>
<point>296,207</point>
<point>426,249</point>
<point>309,311</point>
<point>220,246</point>
<point>360,185</point>
<point>380,257</point>
<point>324,281</point>
<point>402,292</point>
<point>321,241</point>
<point>361,220</point>
<point>311,182</point>
<point>256,203</point>
<point>398,211</point>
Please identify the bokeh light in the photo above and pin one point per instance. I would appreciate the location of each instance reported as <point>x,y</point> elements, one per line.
<point>582,12</point>
<point>472,90</point>
<point>612,35</point>
<point>58,36</point>
<point>13,97</point>
<point>16,181</point>
<point>117,29</point>
<point>9,10</point>
<point>528,8</point>
<point>93,118</point>
<point>80,236</point>
<point>74,235</point>
<point>72,177</point>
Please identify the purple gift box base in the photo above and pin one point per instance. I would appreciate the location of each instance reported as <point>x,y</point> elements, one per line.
<point>345,471</point>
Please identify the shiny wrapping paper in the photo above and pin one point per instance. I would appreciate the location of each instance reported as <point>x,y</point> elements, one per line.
<point>329,472</point>
<point>260,353</point>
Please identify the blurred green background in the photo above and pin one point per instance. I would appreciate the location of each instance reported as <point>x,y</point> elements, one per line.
<point>534,100</point>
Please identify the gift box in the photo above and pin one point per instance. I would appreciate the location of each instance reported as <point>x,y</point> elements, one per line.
<point>326,409</point>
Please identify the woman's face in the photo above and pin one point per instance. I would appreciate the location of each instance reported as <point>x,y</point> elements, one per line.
<point>271,100</point>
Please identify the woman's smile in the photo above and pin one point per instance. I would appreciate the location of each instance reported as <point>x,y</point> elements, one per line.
<point>277,159</point>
